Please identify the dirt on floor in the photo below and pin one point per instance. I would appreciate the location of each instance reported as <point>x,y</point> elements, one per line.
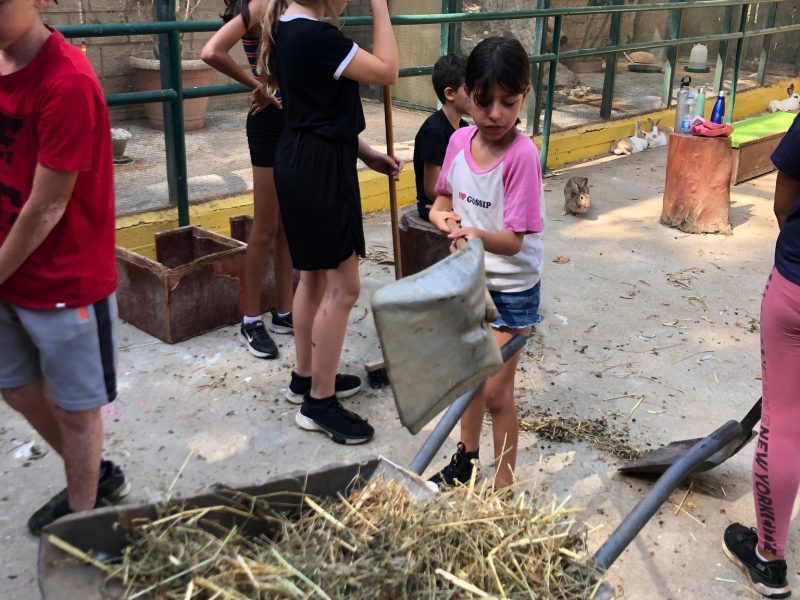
<point>650,335</point>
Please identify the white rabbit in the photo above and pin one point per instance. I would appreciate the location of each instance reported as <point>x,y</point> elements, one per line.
<point>636,143</point>
<point>656,138</point>
<point>789,104</point>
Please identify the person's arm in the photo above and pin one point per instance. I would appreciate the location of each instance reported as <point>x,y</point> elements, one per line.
<point>382,66</point>
<point>216,52</point>
<point>378,161</point>
<point>46,205</point>
<point>787,190</point>
<point>430,176</point>
<point>504,243</point>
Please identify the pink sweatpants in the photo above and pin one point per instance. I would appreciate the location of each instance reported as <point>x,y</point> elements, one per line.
<point>776,463</point>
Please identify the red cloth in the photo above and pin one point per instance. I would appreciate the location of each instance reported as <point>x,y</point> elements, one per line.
<point>53,113</point>
<point>706,128</point>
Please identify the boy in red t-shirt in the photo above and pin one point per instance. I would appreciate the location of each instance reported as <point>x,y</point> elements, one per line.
<point>57,256</point>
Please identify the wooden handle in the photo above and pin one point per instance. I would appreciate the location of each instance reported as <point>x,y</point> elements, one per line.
<point>492,314</point>
<point>387,115</point>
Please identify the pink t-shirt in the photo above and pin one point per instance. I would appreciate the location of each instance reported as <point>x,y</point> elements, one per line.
<point>507,196</point>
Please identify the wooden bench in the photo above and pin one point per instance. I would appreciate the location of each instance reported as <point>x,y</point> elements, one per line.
<point>753,142</point>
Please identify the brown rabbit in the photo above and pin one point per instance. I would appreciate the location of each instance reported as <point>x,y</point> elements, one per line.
<point>576,196</point>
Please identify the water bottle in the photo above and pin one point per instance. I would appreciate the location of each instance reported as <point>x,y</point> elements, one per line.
<point>680,101</point>
<point>700,107</point>
<point>686,119</point>
<point>718,112</point>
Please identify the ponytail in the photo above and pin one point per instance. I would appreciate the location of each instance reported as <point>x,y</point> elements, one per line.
<point>266,53</point>
<point>269,25</point>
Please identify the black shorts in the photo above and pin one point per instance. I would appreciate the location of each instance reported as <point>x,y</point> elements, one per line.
<point>317,184</point>
<point>263,132</point>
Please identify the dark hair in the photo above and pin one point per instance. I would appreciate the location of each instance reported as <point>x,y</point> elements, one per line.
<point>448,72</point>
<point>497,60</point>
<point>234,8</point>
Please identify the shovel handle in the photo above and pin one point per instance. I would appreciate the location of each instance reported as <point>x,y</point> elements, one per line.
<point>753,417</point>
<point>492,314</point>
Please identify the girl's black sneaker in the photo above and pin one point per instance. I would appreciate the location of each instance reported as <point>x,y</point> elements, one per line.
<point>768,578</point>
<point>331,418</point>
<point>459,470</point>
<point>344,387</point>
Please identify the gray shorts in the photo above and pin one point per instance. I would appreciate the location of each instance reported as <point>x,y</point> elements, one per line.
<point>72,349</point>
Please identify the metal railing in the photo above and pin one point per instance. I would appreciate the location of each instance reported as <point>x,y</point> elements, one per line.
<point>172,93</point>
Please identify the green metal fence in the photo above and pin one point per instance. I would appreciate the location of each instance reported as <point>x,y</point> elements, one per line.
<point>172,93</point>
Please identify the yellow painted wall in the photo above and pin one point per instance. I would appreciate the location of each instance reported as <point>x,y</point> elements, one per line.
<point>136,232</point>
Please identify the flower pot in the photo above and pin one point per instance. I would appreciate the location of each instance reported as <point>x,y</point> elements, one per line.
<point>194,73</point>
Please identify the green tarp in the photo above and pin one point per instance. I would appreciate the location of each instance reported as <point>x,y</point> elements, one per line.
<point>758,127</point>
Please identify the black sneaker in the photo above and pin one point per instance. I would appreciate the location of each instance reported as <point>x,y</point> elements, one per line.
<point>281,324</point>
<point>111,488</point>
<point>459,470</point>
<point>257,340</point>
<point>766,577</point>
<point>344,387</point>
<point>330,417</point>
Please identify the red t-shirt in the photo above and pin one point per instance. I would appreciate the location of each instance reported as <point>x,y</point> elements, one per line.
<point>53,113</point>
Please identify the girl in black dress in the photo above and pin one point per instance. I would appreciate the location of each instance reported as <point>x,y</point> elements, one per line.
<point>319,71</point>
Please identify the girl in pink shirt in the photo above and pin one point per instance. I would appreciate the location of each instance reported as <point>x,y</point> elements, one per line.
<point>491,183</point>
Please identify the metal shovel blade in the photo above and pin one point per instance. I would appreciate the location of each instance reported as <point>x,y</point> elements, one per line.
<point>659,460</point>
<point>432,333</point>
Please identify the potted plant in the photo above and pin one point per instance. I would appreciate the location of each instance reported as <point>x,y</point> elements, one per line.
<point>194,72</point>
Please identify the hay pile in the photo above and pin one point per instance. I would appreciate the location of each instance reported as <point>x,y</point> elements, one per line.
<point>379,543</point>
<point>594,431</point>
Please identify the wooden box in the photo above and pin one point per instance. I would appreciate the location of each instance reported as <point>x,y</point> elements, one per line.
<point>753,142</point>
<point>195,284</point>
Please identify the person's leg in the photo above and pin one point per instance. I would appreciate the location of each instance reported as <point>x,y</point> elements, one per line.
<point>284,274</point>
<point>33,403</point>
<point>498,395</point>
<point>776,472</point>
<point>306,304</point>
<point>472,422</point>
<point>82,451</point>
<point>342,287</point>
<point>262,238</point>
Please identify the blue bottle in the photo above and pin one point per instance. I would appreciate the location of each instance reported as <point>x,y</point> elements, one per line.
<point>718,112</point>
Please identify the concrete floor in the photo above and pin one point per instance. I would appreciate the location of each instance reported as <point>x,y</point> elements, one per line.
<point>621,339</point>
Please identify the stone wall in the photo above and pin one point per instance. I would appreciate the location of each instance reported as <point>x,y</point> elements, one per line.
<point>109,55</point>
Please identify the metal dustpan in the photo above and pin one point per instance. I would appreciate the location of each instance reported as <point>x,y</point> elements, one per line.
<point>434,340</point>
<point>659,460</point>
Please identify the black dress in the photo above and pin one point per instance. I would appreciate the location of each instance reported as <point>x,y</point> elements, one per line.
<point>315,165</point>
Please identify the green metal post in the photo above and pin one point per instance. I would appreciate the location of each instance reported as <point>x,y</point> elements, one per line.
<point>737,65</point>
<point>772,10</point>
<point>611,66</point>
<point>673,33</point>
<point>551,86</point>
<point>174,141</point>
<point>454,39</point>
<point>534,108</point>
<point>722,52</point>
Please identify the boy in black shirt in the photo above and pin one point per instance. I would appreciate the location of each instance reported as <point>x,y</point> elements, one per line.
<point>431,141</point>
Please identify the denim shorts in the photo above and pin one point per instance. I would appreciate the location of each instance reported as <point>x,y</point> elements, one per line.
<point>518,310</point>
